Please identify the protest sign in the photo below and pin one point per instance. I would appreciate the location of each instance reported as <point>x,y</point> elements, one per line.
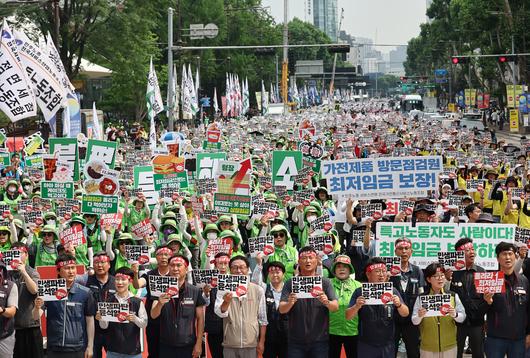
<point>205,277</point>
<point>144,180</point>
<point>260,244</point>
<point>489,282</point>
<point>358,237</point>
<point>306,286</point>
<point>56,190</point>
<point>237,285</point>
<point>173,181</point>
<point>72,236</point>
<point>232,204</point>
<point>33,217</point>
<point>100,179</point>
<point>473,185</point>
<point>377,293</point>
<point>303,197</point>
<point>159,285</point>
<point>142,229</point>
<point>205,186</point>
<point>99,204</point>
<point>208,164</point>
<point>406,206</point>
<point>321,224</point>
<point>522,236</point>
<point>11,259</point>
<point>285,165</point>
<point>436,305</point>
<point>216,246</point>
<point>322,244</point>
<point>374,211</point>
<point>137,254</point>
<point>52,289</point>
<point>381,178</point>
<point>452,260</point>
<point>430,238</point>
<point>101,151</point>
<point>234,177</point>
<point>113,311</point>
<point>265,181</point>
<point>210,215</point>
<point>34,161</point>
<point>112,220</point>
<point>62,150</point>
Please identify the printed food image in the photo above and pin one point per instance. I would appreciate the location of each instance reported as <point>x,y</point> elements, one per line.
<point>107,186</point>
<point>94,170</point>
<point>91,186</point>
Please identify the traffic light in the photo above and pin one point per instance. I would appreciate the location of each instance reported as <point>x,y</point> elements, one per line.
<point>507,58</point>
<point>339,49</point>
<point>457,60</point>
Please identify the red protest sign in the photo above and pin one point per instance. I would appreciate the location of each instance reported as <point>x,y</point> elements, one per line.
<point>112,220</point>
<point>142,229</point>
<point>489,282</point>
<point>74,236</point>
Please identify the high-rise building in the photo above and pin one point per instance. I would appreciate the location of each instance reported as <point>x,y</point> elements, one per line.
<point>325,17</point>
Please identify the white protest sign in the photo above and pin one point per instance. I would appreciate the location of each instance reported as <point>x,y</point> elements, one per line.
<point>307,286</point>
<point>377,293</point>
<point>260,244</point>
<point>436,305</point>
<point>237,285</point>
<point>159,285</point>
<point>52,289</point>
<point>113,311</point>
<point>137,254</point>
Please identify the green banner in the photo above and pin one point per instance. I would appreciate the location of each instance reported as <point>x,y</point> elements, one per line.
<point>99,204</point>
<point>66,151</point>
<point>231,204</point>
<point>285,165</point>
<point>56,190</point>
<point>34,161</point>
<point>178,180</point>
<point>144,179</point>
<point>103,151</point>
<point>5,159</point>
<point>207,164</point>
<point>211,146</point>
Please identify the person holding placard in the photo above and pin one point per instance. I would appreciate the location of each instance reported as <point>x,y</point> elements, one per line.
<point>437,320</point>
<point>308,317</point>
<point>343,332</point>
<point>243,337</point>
<point>27,330</point>
<point>43,248</point>
<point>376,322</point>
<point>462,283</point>
<point>69,335</point>
<point>507,312</point>
<point>180,315</point>
<point>123,338</point>
<point>410,283</point>
<point>284,252</point>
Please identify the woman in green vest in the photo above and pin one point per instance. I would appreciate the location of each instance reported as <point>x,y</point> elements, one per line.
<point>284,251</point>
<point>83,253</point>
<point>44,248</point>
<point>12,195</point>
<point>93,232</point>
<point>438,324</point>
<point>136,212</point>
<point>343,332</point>
<point>5,238</point>
<point>177,246</point>
<point>117,254</point>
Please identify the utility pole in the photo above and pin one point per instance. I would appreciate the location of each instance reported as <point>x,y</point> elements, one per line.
<point>57,20</point>
<point>171,95</point>
<point>285,68</point>
<point>332,83</point>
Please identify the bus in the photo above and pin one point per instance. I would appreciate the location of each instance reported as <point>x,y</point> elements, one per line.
<point>411,102</point>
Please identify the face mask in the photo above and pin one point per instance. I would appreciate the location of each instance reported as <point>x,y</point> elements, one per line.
<point>27,187</point>
<point>311,218</point>
<point>211,236</point>
<point>50,222</point>
<point>11,189</point>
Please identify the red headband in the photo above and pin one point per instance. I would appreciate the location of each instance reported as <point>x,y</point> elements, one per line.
<point>21,248</point>
<point>403,243</point>
<point>102,258</point>
<point>373,267</point>
<point>164,250</point>
<point>123,276</point>
<point>179,259</point>
<point>467,245</point>
<point>275,269</point>
<point>65,263</point>
<point>307,253</point>
<point>222,259</point>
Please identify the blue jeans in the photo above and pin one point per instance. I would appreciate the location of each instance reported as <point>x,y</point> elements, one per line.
<point>312,350</point>
<point>498,348</point>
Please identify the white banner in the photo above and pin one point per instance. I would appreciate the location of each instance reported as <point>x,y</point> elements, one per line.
<point>17,100</point>
<point>47,86</point>
<point>382,178</point>
<point>428,239</point>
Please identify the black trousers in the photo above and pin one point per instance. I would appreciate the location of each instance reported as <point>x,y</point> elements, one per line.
<point>275,345</point>
<point>215,345</point>
<point>152,332</point>
<point>28,343</point>
<point>476,340</point>
<point>336,343</point>
<point>411,336</point>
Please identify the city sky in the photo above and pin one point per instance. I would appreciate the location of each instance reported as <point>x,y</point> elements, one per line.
<point>393,21</point>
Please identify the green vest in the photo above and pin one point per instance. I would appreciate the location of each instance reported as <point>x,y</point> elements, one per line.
<point>135,217</point>
<point>6,246</point>
<point>81,255</point>
<point>12,202</point>
<point>338,324</point>
<point>287,256</point>
<point>95,241</point>
<point>438,334</point>
<point>44,257</point>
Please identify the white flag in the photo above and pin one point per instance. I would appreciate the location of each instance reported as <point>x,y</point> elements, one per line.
<point>66,121</point>
<point>215,104</point>
<point>193,94</point>
<point>17,99</point>
<point>246,99</point>
<point>55,58</point>
<point>47,86</point>
<point>96,129</point>
<point>264,100</point>
<point>154,102</point>
<point>228,97</point>
<point>173,90</point>
<point>186,95</point>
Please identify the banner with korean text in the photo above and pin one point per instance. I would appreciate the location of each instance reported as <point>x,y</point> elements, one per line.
<point>430,238</point>
<point>381,178</point>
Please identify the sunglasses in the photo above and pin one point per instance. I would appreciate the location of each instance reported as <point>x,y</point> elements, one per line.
<point>46,234</point>
<point>278,234</point>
